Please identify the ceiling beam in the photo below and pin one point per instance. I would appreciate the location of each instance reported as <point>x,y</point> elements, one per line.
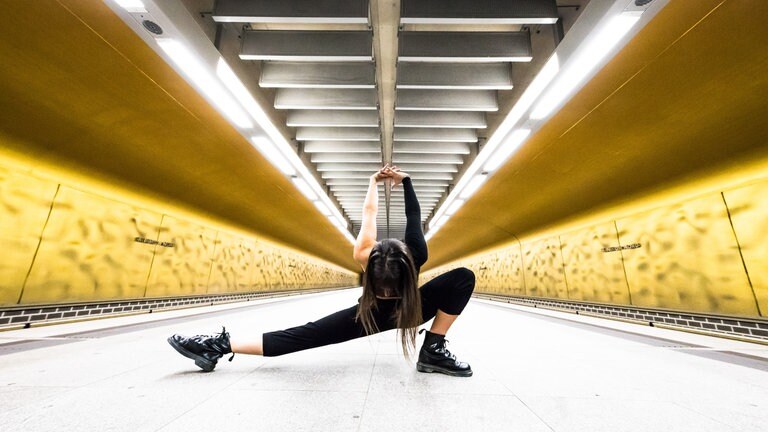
<point>435,135</point>
<point>364,188</point>
<point>432,158</point>
<point>337,134</point>
<point>311,46</point>
<point>458,76</point>
<point>479,12</point>
<point>364,182</point>
<point>321,118</point>
<point>325,99</point>
<point>373,167</point>
<point>346,157</point>
<point>342,147</point>
<point>292,11</point>
<point>440,119</point>
<point>446,100</point>
<point>473,47</point>
<point>432,147</point>
<point>366,175</point>
<point>317,75</point>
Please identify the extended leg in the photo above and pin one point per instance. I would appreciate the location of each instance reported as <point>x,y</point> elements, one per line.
<point>444,298</point>
<point>245,345</point>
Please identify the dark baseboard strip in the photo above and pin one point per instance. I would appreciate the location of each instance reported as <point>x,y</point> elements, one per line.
<point>12,318</point>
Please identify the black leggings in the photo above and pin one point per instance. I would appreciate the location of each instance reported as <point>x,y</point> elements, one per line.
<point>448,292</point>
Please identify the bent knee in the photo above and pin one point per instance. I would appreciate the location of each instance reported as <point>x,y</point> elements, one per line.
<point>465,273</point>
<point>467,276</point>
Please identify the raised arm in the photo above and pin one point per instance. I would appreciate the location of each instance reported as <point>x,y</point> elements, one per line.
<point>366,239</point>
<point>414,237</point>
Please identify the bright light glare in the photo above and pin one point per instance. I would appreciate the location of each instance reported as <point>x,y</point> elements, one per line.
<point>304,188</point>
<point>545,75</point>
<point>282,155</point>
<point>509,146</point>
<point>133,6</point>
<point>584,62</point>
<point>272,154</point>
<point>323,208</point>
<point>196,72</point>
<point>473,186</point>
<point>543,78</point>
<point>236,87</point>
<point>454,207</point>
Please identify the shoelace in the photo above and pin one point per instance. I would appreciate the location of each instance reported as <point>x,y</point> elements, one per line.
<point>217,336</point>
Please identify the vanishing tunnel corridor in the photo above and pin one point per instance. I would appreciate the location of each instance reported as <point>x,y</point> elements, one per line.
<point>597,169</point>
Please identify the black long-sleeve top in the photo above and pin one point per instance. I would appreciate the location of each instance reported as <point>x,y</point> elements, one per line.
<point>414,237</point>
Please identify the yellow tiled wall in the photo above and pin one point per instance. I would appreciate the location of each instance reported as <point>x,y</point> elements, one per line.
<point>61,244</point>
<point>705,254</point>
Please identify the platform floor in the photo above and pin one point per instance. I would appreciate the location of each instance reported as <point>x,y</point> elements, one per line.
<point>533,371</point>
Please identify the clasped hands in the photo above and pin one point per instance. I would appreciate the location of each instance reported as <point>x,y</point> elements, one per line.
<point>391,172</point>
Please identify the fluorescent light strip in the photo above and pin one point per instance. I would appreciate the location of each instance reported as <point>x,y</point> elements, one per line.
<point>512,143</point>
<point>282,147</point>
<point>584,62</point>
<point>132,6</point>
<point>454,207</point>
<point>416,59</point>
<point>304,188</point>
<point>265,146</point>
<point>196,72</point>
<point>473,186</point>
<point>323,208</point>
<point>545,75</point>
<point>586,59</point>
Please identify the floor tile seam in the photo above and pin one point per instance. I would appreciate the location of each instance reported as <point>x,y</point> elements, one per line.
<point>701,414</point>
<point>527,407</point>
<point>206,399</point>
<point>368,390</point>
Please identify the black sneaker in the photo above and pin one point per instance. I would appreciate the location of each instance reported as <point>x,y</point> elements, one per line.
<point>435,357</point>
<point>204,350</point>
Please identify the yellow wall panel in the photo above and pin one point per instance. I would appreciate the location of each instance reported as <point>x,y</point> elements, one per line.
<point>88,250</point>
<point>184,268</point>
<point>688,259</point>
<point>225,264</point>
<point>259,279</point>
<point>544,268</point>
<point>499,272</point>
<point>749,214</point>
<point>593,273</point>
<point>25,203</point>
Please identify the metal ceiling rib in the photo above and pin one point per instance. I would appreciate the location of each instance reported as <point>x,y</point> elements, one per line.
<point>422,103</point>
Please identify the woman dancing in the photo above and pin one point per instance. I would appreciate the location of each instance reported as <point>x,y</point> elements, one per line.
<point>391,299</point>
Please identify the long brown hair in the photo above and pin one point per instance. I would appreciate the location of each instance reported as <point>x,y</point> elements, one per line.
<point>391,273</point>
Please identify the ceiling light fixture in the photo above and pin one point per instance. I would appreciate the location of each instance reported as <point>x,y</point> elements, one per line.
<point>584,62</point>
<point>196,72</point>
<point>578,66</point>
<point>512,143</point>
<point>268,149</point>
<point>454,207</point>
<point>323,208</point>
<point>132,6</point>
<point>277,150</point>
<point>304,188</point>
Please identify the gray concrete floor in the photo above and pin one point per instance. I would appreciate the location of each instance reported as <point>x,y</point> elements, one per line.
<point>533,372</point>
